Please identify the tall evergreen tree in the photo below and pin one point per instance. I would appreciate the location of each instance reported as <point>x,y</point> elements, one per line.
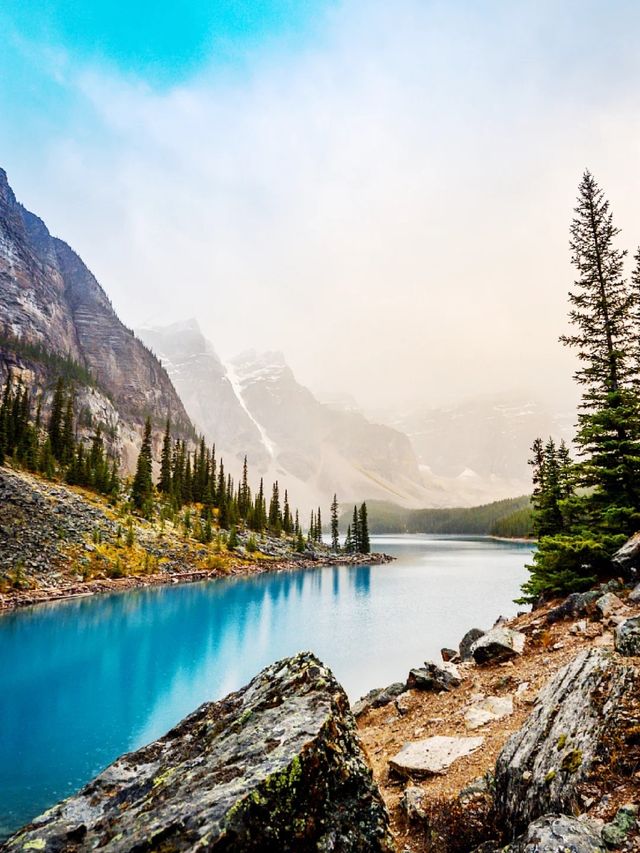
<point>602,314</point>
<point>355,531</point>
<point>142,488</point>
<point>55,421</point>
<point>335,530</point>
<point>363,525</point>
<point>165,463</point>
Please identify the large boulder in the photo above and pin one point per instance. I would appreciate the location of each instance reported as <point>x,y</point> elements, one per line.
<point>627,637</point>
<point>276,766</point>
<point>582,723</point>
<point>556,833</point>
<point>498,644</point>
<point>627,558</point>
<point>634,595</point>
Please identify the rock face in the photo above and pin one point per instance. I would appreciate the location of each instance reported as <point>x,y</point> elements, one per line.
<point>554,833</point>
<point>433,755</point>
<point>51,301</point>
<point>579,722</point>
<point>627,637</point>
<point>276,766</point>
<point>498,644</point>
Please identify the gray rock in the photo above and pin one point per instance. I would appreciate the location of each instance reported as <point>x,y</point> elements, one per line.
<point>434,676</point>
<point>608,604</point>
<point>433,755</point>
<point>276,766</point>
<point>378,697</point>
<point>488,710</point>
<point>498,644</point>
<point>559,834</point>
<point>579,713</point>
<point>412,803</point>
<point>627,558</point>
<point>634,595</point>
<point>627,637</point>
<point>467,641</point>
<point>576,604</point>
<point>614,834</point>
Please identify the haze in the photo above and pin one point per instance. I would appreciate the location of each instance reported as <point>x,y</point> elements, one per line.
<point>380,190</point>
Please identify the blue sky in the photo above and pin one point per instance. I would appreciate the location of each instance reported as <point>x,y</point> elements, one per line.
<point>403,172</point>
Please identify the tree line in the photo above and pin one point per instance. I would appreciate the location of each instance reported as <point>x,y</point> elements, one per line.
<point>187,477</point>
<point>585,508</point>
<point>51,448</point>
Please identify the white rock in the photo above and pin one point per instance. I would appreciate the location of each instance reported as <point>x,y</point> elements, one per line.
<point>488,710</point>
<point>433,756</point>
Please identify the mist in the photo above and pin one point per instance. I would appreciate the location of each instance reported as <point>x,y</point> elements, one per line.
<point>387,201</point>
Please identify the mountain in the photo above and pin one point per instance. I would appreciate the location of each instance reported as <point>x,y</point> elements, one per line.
<point>55,317</point>
<point>255,405</point>
<point>483,444</point>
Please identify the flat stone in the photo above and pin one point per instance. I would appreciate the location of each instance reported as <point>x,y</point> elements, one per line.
<point>627,637</point>
<point>498,644</point>
<point>433,755</point>
<point>488,710</point>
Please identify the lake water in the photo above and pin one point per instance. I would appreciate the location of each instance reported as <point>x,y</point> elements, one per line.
<point>84,681</point>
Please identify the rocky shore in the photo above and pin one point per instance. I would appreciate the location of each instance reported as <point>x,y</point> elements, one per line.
<point>58,543</point>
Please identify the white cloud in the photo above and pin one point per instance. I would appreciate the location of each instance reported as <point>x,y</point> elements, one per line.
<point>390,206</point>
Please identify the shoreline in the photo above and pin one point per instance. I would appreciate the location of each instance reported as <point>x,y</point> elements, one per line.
<point>17,599</point>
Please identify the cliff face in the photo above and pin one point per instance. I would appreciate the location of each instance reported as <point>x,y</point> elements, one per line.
<point>48,297</point>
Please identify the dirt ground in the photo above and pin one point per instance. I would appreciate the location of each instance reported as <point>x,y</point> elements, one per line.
<point>423,714</point>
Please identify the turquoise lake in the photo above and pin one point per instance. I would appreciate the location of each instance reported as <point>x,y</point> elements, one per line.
<point>86,680</point>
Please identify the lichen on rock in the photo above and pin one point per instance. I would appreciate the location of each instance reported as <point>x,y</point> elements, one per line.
<point>276,766</point>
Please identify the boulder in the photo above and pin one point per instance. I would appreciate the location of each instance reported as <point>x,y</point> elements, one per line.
<point>634,595</point>
<point>378,697</point>
<point>609,604</point>
<point>434,676</point>
<point>276,766</point>
<point>498,644</point>
<point>576,604</point>
<point>627,637</point>
<point>488,710</point>
<point>583,720</point>
<point>467,641</point>
<point>432,756</point>
<point>627,558</point>
<point>557,833</point>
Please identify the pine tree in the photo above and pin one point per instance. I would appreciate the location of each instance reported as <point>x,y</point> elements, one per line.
<point>363,529</point>
<point>142,488</point>
<point>335,530</point>
<point>68,436</point>
<point>275,515</point>
<point>602,314</point>
<point>165,464</point>
<point>55,421</point>
<point>348,541</point>
<point>355,531</point>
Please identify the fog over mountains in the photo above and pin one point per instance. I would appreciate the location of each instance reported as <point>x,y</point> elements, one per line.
<point>460,455</point>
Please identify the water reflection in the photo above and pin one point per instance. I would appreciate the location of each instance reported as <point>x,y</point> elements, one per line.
<point>84,681</point>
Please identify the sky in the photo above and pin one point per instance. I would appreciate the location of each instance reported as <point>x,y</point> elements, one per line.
<point>383,191</point>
